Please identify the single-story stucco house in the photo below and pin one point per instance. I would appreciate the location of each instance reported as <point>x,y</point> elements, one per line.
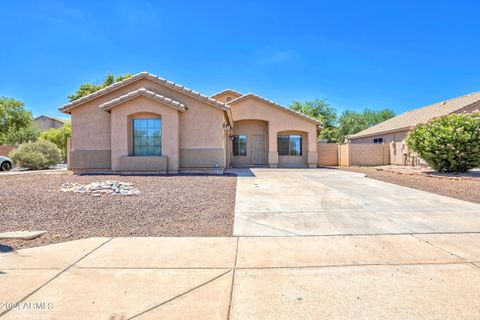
<point>149,124</point>
<point>397,128</point>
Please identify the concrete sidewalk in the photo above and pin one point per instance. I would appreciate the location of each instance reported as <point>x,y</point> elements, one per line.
<point>428,276</point>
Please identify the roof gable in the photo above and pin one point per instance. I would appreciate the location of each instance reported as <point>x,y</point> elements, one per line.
<point>145,75</point>
<point>231,92</point>
<point>274,104</point>
<point>410,119</point>
<point>145,93</point>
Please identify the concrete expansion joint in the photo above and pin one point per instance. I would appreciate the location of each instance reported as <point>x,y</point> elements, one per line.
<point>181,295</point>
<point>233,279</point>
<point>57,275</point>
<point>438,247</point>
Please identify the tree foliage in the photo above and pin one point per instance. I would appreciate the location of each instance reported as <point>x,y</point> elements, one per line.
<point>36,155</point>
<point>59,137</point>
<point>321,111</point>
<point>449,143</point>
<point>88,88</point>
<point>16,122</point>
<point>352,122</point>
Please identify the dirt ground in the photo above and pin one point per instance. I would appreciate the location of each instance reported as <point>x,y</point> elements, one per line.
<point>463,190</point>
<point>179,205</point>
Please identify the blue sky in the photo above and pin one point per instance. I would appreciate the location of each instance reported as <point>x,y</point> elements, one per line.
<point>357,54</point>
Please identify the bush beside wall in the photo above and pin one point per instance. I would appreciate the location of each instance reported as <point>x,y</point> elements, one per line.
<point>449,143</point>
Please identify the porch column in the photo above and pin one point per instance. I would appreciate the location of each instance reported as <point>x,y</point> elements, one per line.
<point>312,149</point>
<point>272,147</point>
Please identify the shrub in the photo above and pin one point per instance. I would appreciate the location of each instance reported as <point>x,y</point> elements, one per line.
<point>449,143</point>
<point>59,137</point>
<point>36,155</point>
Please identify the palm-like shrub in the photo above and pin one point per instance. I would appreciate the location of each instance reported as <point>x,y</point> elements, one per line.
<point>37,155</point>
<point>449,143</point>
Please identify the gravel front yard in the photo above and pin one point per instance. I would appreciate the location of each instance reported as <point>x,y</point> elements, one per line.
<point>463,190</point>
<point>183,205</point>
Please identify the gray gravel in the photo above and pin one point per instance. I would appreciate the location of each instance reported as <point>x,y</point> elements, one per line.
<point>183,205</point>
<point>459,189</point>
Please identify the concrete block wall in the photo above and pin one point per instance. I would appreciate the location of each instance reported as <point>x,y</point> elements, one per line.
<point>344,155</point>
<point>5,150</point>
<point>327,154</point>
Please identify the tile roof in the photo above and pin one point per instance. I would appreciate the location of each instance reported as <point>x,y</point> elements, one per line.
<point>145,75</point>
<point>296,113</point>
<point>410,119</point>
<point>142,92</point>
<point>52,118</point>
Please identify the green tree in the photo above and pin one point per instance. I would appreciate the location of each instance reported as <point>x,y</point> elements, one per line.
<point>59,137</point>
<point>16,122</point>
<point>321,111</point>
<point>352,122</point>
<point>449,143</point>
<point>88,88</point>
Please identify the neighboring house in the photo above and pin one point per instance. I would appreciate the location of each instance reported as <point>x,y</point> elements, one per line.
<point>397,128</point>
<point>149,124</point>
<point>45,122</point>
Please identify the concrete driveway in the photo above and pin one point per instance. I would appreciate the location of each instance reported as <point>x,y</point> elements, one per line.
<point>300,202</point>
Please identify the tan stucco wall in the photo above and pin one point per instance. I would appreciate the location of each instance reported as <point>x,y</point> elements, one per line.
<point>278,121</point>
<point>224,97</point>
<point>145,164</point>
<point>327,154</point>
<point>249,128</point>
<point>204,158</point>
<point>90,159</point>
<point>142,107</point>
<point>398,152</point>
<point>387,137</point>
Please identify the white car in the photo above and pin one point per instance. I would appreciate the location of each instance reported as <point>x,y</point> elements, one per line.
<point>5,163</point>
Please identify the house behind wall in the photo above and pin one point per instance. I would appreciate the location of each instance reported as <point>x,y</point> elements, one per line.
<point>394,131</point>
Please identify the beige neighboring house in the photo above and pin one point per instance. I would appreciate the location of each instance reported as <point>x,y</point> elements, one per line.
<point>397,128</point>
<point>45,122</point>
<point>394,131</point>
<point>149,124</point>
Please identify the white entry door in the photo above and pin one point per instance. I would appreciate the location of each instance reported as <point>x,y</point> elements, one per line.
<point>259,154</point>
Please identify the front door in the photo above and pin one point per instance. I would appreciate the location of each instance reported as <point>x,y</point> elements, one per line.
<point>259,155</point>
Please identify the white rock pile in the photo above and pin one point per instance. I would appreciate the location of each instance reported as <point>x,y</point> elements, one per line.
<point>97,189</point>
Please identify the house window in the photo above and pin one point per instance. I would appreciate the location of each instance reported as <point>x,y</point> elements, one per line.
<point>147,137</point>
<point>378,140</point>
<point>290,145</point>
<point>229,99</point>
<point>240,145</point>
